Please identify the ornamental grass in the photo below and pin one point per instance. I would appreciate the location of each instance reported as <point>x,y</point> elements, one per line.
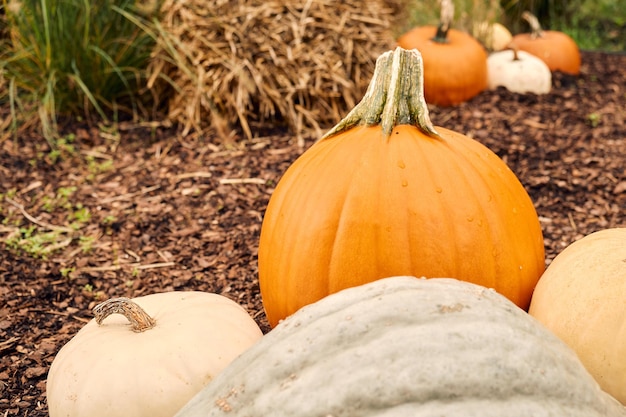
<point>73,57</point>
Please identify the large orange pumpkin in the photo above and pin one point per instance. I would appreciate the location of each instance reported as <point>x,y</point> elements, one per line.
<point>455,63</point>
<point>384,193</point>
<point>557,49</point>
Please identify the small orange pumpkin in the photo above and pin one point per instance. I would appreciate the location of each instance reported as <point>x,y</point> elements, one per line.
<point>558,50</point>
<point>455,63</point>
<point>384,193</point>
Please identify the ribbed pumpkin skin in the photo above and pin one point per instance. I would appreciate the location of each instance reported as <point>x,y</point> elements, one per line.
<point>403,347</point>
<point>454,71</point>
<point>582,298</point>
<point>555,48</point>
<point>357,207</point>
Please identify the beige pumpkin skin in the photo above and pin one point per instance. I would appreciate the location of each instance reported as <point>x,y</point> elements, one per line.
<point>500,36</point>
<point>581,297</point>
<point>110,371</point>
<point>495,36</point>
<point>519,72</point>
<point>401,347</point>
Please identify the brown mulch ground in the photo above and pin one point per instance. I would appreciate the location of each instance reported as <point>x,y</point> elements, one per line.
<point>164,214</point>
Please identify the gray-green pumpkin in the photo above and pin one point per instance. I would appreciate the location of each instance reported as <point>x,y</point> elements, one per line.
<point>407,347</point>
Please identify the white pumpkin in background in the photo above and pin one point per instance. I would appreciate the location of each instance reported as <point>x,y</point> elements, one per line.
<point>519,72</point>
<point>495,36</point>
<point>149,359</point>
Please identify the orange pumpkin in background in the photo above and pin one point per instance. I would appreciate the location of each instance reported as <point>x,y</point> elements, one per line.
<point>455,63</point>
<point>557,49</point>
<point>385,193</point>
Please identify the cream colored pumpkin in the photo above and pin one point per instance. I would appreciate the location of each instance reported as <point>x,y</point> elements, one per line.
<point>407,347</point>
<point>495,36</point>
<point>581,297</point>
<point>519,72</point>
<point>109,370</point>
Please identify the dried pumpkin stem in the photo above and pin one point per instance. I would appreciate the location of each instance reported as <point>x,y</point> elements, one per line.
<point>445,21</point>
<point>513,47</point>
<point>535,27</point>
<point>139,320</point>
<point>395,96</point>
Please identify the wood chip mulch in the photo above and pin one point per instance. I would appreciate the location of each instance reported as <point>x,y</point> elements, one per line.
<point>154,213</point>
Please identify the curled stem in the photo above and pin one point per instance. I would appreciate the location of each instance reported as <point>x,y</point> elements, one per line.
<point>535,26</point>
<point>139,320</point>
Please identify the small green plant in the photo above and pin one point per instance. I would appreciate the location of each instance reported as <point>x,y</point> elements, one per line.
<point>9,194</point>
<point>65,192</point>
<point>36,243</point>
<point>66,272</point>
<point>63,147</point>
<point>38,238</point>
<point>86,243</point>
<point>48,204</point>
<point>108,220</point>
<point>594,119</point>
<point>60,199</point>
<point>95,168</point>
<point>80,216</point>
<point>75,56</point>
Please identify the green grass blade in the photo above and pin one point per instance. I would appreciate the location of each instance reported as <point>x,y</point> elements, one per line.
<point>46,26</point>
<point>12,100</point>
<point>85,90</point>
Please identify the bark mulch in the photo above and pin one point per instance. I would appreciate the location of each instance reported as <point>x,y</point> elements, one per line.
<point>136,211</point>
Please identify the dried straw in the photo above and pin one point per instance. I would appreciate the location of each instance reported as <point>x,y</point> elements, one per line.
<point>250,65</point>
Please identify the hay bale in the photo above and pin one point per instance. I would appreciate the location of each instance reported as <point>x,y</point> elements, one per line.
<point>251,65</point>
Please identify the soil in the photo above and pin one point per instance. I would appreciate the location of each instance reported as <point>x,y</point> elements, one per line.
<point>153,212</point>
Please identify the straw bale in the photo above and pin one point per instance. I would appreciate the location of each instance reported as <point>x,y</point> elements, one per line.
<point>250,65</point>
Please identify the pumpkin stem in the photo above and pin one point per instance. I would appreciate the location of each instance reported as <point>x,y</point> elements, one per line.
<point>513,47</point>
<point>394,96</point>
<point>535,26</point>
<point>446,17</point>
<point>139,320</point>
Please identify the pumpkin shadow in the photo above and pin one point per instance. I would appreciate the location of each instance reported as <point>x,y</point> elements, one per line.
<point>563,80</point>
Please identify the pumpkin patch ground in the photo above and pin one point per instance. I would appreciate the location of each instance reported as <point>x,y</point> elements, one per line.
<point>152,212</point>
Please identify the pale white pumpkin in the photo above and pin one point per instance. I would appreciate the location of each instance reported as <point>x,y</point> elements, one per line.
<point>184,341</point>
<point>581,297</point>
<point>401,347</point>
<point>519,72</point>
